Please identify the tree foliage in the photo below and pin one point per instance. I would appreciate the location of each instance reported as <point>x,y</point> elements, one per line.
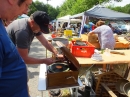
<point>125,9</point>
<point>72,7</point>
<point>77,6</point>
<point>52,12</point>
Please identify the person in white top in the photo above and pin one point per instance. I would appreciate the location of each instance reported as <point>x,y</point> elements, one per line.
<point>105,35</point>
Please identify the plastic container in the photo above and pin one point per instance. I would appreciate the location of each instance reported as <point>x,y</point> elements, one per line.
<point>82,51</point>
<point>67,32</point>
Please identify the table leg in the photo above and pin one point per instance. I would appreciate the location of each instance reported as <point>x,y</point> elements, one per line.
<point>46,53</point>
<point>104,67</point>
<point>76,92</point>
<point>71,92</point>
<point>127,72</point>
<point>42,93</point>
<point>107,67</point>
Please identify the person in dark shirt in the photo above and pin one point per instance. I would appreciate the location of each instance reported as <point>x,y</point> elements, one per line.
<point>23,31</point>
<point>13,71</point>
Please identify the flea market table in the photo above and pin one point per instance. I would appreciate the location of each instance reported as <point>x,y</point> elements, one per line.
<point>112,59</point>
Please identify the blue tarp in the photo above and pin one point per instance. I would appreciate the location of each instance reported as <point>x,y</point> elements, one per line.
<point>105,13</point>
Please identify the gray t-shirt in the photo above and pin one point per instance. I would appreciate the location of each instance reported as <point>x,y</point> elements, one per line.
<point>105,36</point>
<point>20,33</point>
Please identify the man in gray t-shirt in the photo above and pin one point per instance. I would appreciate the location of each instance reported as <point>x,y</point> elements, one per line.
<point>22,32</point>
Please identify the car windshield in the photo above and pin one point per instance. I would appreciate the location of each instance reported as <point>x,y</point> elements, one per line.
<point>115,25</point>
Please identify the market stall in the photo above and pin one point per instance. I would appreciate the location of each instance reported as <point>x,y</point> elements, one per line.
<point>121,42</point>
<point>62,20</point>
<point>111,60</point>
<point>101,12</point>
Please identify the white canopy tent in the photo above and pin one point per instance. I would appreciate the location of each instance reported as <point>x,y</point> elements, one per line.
<point>77,16</point>
<point>81,16</point>
<point>66,19</point>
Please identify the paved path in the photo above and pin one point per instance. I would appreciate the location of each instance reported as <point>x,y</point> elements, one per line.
<point>37,51</point>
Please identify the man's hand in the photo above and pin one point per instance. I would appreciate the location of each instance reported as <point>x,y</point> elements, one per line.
<point>58,57</point>
<point>49,61</point>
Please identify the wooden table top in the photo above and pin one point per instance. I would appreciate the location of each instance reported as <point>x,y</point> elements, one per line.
<point>112,59</point>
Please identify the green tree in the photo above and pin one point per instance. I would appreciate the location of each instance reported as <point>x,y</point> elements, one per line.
<point>53,12</point>
<point>77,6</point>
<point>65,9</point>
<point>125,9</point>
<point>37,6</point>
<point>71,7</point>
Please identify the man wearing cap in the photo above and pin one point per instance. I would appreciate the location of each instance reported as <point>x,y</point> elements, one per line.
<point>22,32</point>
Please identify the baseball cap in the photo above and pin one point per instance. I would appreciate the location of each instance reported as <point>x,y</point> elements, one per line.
<point>42,19</point>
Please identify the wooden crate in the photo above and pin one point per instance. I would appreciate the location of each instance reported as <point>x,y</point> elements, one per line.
<point>108,78</point>
<point>66,78</point>
<point>62,79</point>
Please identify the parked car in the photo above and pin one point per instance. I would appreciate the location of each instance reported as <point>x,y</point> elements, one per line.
<point>123,28</point>
<point>116,28</point>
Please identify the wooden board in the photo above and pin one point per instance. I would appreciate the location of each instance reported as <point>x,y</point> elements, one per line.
<point>62,79</point>
<point>112,59</point>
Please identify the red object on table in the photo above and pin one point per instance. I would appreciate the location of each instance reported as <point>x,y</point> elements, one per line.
<point>82,51</point>
<point>53,35</point>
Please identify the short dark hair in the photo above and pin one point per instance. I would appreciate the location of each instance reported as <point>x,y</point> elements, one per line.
<point>109,24</point>
<point>100,23</point>
<point>20,2</point>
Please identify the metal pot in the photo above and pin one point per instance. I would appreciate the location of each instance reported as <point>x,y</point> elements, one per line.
<point>58,67</point>
<point>120,85</point>
<point>126,89</point>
